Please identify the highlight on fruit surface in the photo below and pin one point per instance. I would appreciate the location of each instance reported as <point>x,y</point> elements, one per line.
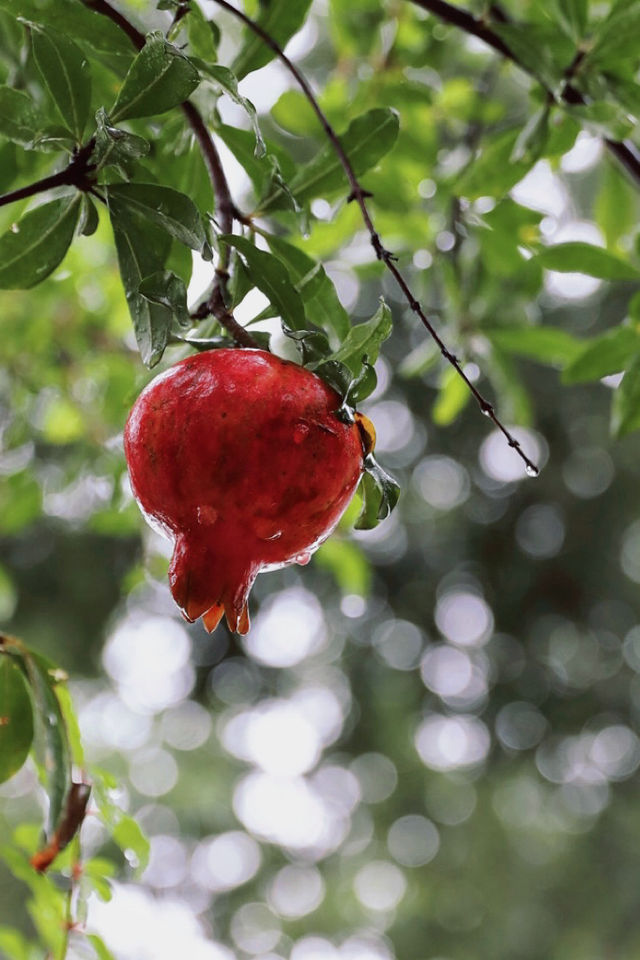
<point>241,458</point>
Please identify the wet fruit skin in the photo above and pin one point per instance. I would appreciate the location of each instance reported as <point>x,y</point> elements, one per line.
<point>240,458</point>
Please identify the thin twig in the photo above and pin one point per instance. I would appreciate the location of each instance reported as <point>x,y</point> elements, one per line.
<point>625,151</point>
<point>215,305</point>
<point>359,195</point>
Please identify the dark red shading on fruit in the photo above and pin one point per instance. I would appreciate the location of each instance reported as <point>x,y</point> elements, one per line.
<point>240,457</point>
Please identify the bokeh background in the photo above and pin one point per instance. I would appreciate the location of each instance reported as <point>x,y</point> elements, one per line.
<point>427,746</point>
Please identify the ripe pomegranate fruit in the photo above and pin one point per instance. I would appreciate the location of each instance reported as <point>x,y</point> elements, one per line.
<point>239,457</point>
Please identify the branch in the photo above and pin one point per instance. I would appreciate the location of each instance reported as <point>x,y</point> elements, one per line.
<point>624,150</point>
<point>76,174</point>
<point>359,195</point>
<point>215,305</point>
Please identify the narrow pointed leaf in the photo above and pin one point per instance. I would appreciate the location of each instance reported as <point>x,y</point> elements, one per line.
<point>159,78</point>
<point>169,290</point>
<point>166,208</point>
<point>271,276</point>
<point>280,19</point>
<point>142,250</point>
<point>379,492</point>
<point>227,82</point>
<point>545,344</point>
<point>89,218</point>
<point>16,718</point>
<point>578,257</point>
<point>35,246</point>
<point>368,138</point>
<point>453,397</point>
<point>66,73</point>
<point>20,119</point>
<point>362,343</point>
<point>603,356</point>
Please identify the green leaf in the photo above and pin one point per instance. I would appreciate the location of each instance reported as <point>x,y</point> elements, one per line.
<point>453,397</point>
<point>131,840</point>
<point>348,564</point>
<point>34,246</point>
<point>368,138</point>
<point>16,718</point>
<point>573,16</point>
<point>114,145</point>
<point>159,78</point>
<point>169,290</point>
<point>322,305</point>
<point>52,745</point>
<point>605,119</point>
<point>166,208</point>
<point>204,35</point>
<point>226,81</point>
<point>271,276</point>
<point>493,172</point>
<point>20,119</point>
<point>616,39</point>
<point>615,206</point>
<point>13,945</point>
<point>74,18</point>
<point>100,947</point>
<point>66,74</point>
<point>362,343</point>
<point>379,493</point>
<point>625,413</point>
<point>533,137</point>
<point>89,218</point>
<point>602,356</point>
<point>545,344</point>
<point>577,257</point>
<point>281,19</point>
<point>142,250</point>
<point>542,50</point>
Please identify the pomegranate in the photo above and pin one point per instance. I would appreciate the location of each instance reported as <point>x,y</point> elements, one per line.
<point>241,459</point>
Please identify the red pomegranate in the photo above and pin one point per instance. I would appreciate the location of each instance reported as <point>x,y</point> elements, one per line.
<point>240,458</point>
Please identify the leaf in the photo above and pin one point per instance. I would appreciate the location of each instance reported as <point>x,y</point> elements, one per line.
<point>573,16</point>
<point>204,35</point>
<point>52,746</point>
<point>100,947</point>
<point>531,141</point>
<point>379,493</point>
<point>348,564</point>
<point>13,945</point>
<point>577,257</point>
<point>322,305</point>
<point>34,246</point>
<point>603,356</point>
<point>542,50</point>
<point>271,276</point>
<point>131,840</point>
<point>89,218</point>
<point>605,119</point>
<point>114,145</point>
<point>368,138</point>
<point>20,118</point>
<point>625,413</point>
<point>226,81</point>
<point>169,290</point>
<point>615,206</point>
<point>166,208</point>
<point>142,250</point>
<point>72,17</point>
<point>66,74</point>
<point>616,39</point>
<point>545,344</point>
<point>453,397</point>
<point>281,19</point>
<point>159,78</point>
<point>16,718</point>
<point>362,343</point>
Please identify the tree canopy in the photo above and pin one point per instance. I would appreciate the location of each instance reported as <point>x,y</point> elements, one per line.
<point>427,745</point>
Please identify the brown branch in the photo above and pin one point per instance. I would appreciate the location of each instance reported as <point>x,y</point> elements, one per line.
<point>76,174</point>
<point>624,150</point>
<point>359,195</point>
<point>215,304</point>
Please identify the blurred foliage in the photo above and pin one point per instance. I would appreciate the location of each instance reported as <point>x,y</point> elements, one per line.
<point>427,746</point>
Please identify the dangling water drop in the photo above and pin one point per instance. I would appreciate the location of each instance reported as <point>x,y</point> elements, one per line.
<point>303,559</point>
<point>531,470</point>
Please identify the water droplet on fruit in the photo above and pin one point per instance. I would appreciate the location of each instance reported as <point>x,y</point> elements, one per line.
<point>207,515</point>
<point>300,432</point>
<point>303,559</point>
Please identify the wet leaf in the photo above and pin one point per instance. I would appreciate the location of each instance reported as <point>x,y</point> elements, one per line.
<point>66,74</point>
<point>114,145</point>
<point>227,82</point>
<point>271,276</point>
<point>280,19</point>
<point>20,119</point>
<point>159,78</point>
<point>379,493</point>
<point>34,247</point>
<point>166,208</point>
<point>169,290</point>
<point>16,717</point>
